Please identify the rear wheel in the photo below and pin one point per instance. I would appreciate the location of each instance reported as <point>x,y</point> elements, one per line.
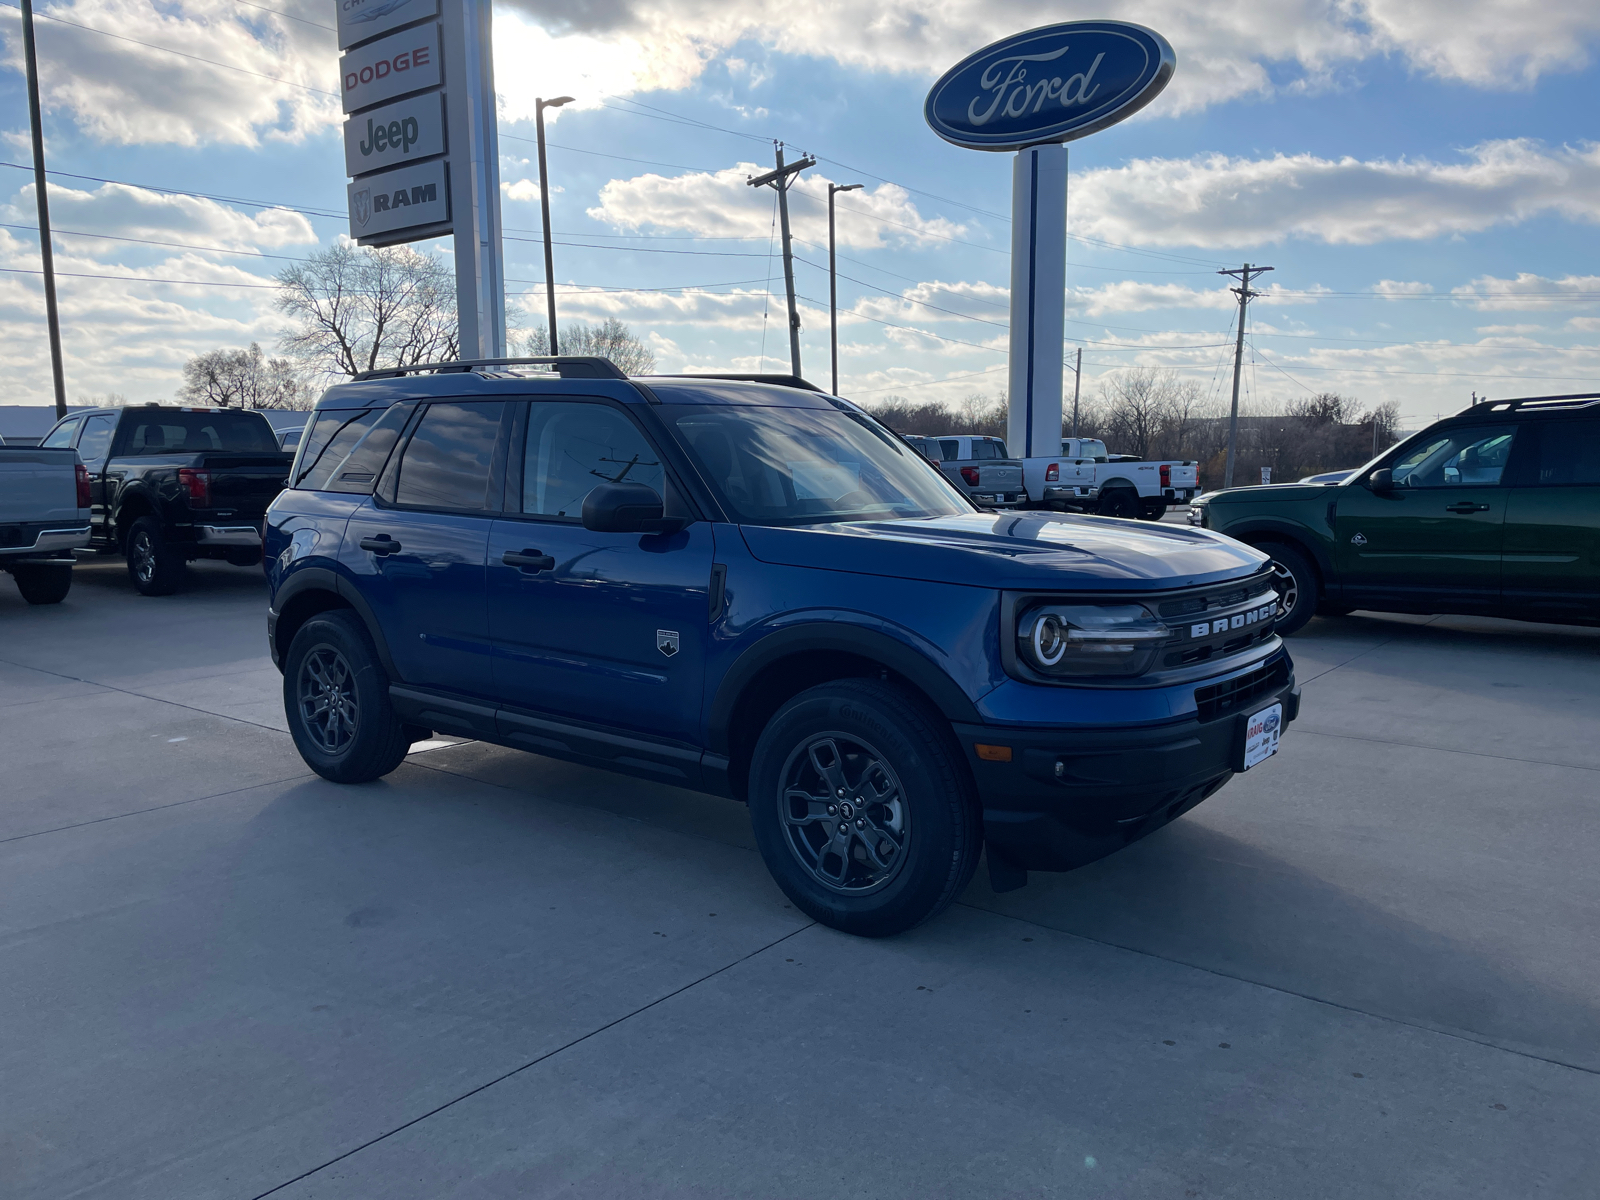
<point>1119,502</point>
<point>1153,512</point>
<point>42,583</point>
<point>862,808</point>
<point>1297,585</point>
<point>244,556</point>
<point>154,565</point>
<point>336,698</point>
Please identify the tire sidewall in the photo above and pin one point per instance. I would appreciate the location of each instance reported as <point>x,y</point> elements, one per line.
<point>943,846</point>
<point>42,583</point>
<point>167,566</point>
<point>377,733</point>
<point>1120,504</point>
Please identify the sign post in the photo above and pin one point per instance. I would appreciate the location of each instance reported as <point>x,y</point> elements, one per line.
<point>421,147</point>
<point>1030,93</point>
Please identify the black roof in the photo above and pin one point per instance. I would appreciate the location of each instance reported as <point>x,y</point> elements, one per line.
<point>1583,403</point>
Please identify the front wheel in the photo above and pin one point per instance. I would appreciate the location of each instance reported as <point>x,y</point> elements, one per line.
<point>862,808</point>
<point>1296,582</point>
<point>42,583</point>
<point>336,698</point>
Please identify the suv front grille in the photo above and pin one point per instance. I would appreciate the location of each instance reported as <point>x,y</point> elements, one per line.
<point>1218,699</point>
<point>1235,593</point>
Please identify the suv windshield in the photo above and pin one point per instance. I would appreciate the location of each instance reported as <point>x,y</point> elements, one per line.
<point>798,466</point>
<point>168,432</point>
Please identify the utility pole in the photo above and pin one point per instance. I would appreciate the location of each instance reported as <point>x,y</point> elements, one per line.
<point>46,250</point>
<point>833,283</point>
<point>1077,383</point>
<point>782,179</point>
<point>544,212</point>
<point>1245,296</point>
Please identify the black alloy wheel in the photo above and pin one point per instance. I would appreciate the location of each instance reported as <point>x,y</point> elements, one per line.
<point>1119,502</point>
<point>329,710</point>
<point>845,813</point>
<point>863,807</point>
<point>155,568</point>
<point>336,699</point>
<point>1295,580</point>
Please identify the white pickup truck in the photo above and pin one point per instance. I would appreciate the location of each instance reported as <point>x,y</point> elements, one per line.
<point>1088,478</point>
<point>44,516</point>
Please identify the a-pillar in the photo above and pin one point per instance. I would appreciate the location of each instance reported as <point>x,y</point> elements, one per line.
<point>1038,300</point>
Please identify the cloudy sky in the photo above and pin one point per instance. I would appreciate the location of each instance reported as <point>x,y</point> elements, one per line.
<point>1423,175</point>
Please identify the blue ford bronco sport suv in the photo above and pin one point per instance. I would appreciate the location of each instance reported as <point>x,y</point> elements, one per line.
<point>751,588</point>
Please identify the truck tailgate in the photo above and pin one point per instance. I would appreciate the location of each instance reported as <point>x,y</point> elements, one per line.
<point>38,485</point>
<point>999,476</point>
<point>1184,475</point>
<point>246,482</point>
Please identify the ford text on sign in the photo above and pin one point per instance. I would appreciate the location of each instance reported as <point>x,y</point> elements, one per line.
<point>396,133</point>
<point>1049,85</point>
<point>363,19</point>
<point>400,199</point>
<point>403,62</point>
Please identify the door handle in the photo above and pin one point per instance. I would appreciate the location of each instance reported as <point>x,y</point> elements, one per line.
<point>380,545</point>
<point>1466,506</point>
<point>531,561</point>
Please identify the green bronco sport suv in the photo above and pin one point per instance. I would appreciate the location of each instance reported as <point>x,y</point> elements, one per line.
<point>1494,511</point>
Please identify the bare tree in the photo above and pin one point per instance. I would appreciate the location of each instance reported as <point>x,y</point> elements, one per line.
<point>1138,404</point>
<point>357,309</point>
<point>610,339</point>
<point>243,379</point>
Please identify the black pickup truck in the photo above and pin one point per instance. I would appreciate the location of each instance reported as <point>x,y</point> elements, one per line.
<point>171,484</point>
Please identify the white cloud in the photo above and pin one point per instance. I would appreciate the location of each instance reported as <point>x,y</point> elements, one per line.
<point>1528,290</point>
<point>120,91</point>
<point>724,205</point>
<point>1213,200</point>
<point>131,212</point>
<point>523,189</point>
<point>1393,288</point>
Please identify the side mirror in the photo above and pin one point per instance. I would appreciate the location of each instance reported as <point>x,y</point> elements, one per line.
<point>626,508</point>
<point>1381,480</point>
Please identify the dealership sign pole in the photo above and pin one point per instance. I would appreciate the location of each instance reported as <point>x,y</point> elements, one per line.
<point>421,146</point>
<point>1030,93</point>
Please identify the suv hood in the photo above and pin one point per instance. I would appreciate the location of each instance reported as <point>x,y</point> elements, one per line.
<point>1274,492</point>
<point>1013,550</point>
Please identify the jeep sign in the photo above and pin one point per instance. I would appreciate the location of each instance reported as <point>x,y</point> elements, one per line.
<point>396,133</point>
<point>399,199</point>
<point>403,62</point>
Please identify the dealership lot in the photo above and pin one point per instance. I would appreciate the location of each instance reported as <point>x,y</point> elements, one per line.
<point>1368,967</point>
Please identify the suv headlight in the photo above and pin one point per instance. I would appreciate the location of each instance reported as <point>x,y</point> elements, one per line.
<point>1090,639</point>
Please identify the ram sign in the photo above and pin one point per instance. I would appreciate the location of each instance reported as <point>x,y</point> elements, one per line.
<point>399,199</point>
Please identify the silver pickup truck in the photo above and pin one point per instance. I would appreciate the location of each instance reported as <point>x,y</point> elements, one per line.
<point>979,466</point>
<point>44,516</point>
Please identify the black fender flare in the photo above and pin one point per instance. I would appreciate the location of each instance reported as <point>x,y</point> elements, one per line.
<point>325,579</point>
<point>1277,529</point>
<point>811,637</point>
<point>138,496</point>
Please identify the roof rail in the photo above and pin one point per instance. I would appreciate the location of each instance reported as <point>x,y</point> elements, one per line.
<point>1537,403</point>
<point>793,381</point>
<point>568,366</point>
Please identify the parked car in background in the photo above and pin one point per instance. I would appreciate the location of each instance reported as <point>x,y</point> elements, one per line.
<point>289,439</point>
<point>757,591</point>
<point>44,516</point>
<point>979,466</point>
<point>1088,478</point>
<point>173,484</point>
<point>1493,511</point>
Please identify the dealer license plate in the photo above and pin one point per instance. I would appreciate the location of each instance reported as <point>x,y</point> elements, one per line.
<point>1261,735</point>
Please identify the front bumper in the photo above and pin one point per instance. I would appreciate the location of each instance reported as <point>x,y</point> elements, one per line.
<point>1067,797</point>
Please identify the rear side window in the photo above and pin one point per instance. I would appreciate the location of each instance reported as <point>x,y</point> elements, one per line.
<point>356,473</point>
<point>61,436</point>
<point>988,448</point>
<point>96,439</point>
<point>171,432</point>
<point>1564,453</point>
<point>449,460</point>
<point>949,449</point>
<point>332,434</point>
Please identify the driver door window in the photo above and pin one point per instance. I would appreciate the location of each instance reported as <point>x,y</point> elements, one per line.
<point>573,447</point>
<point>1473,457</point>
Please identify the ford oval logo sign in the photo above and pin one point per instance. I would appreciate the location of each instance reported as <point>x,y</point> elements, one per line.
<point>1050,85</point>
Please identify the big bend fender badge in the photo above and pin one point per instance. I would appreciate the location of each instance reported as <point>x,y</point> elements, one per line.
<point>667,641</point>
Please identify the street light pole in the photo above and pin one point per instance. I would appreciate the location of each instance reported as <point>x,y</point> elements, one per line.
<point>833,283</point>
<point>539,106</point>
<point>782,179</point>
<point>46,250</point>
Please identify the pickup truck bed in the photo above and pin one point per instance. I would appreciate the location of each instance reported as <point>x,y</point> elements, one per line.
<point>44,516</point>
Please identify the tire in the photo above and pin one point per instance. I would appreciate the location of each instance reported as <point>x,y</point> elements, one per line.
<point>244,556</point>
<point>356,738</point>
<point>923,828</point>
<point>42,583</point>
<point>1119,502</point>
<point>154,565</point>
<point>1152,512</point>
<point>1297,584</point>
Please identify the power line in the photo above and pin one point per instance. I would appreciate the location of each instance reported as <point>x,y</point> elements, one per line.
<point>290,16</point>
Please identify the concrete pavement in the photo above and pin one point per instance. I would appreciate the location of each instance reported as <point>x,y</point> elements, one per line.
<point>1367,968</point>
